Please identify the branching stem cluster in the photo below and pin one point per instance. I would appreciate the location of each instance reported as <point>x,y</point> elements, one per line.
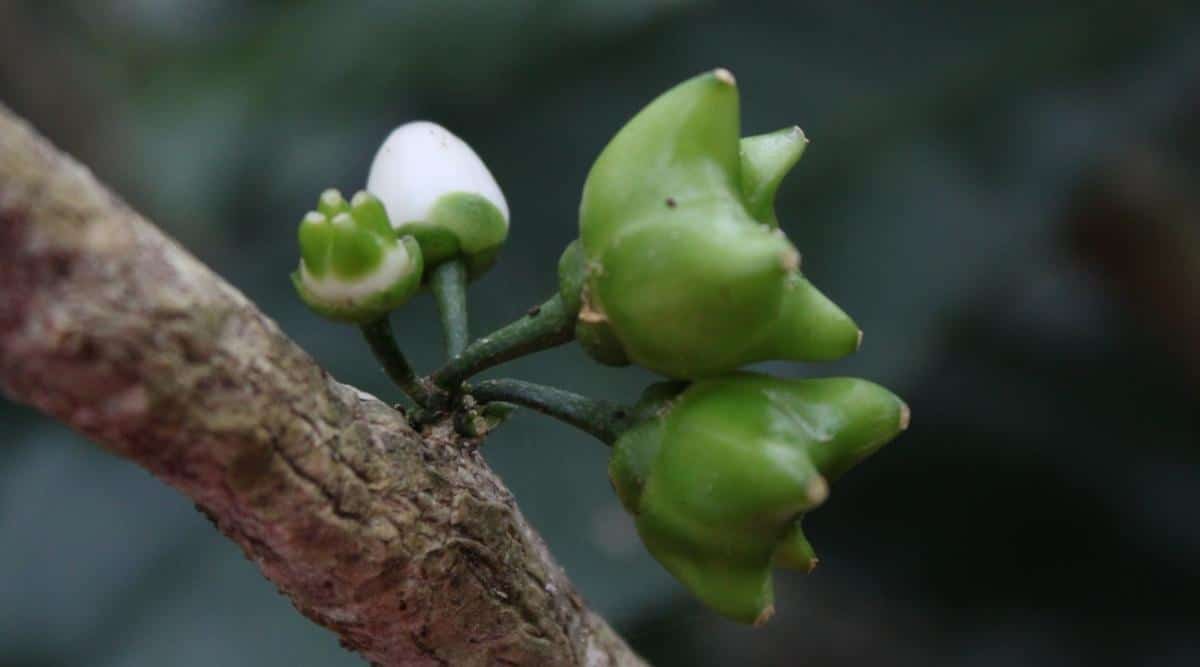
<point>542,327</point>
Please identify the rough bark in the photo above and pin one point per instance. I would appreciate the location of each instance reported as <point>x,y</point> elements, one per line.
<point>405,544</point>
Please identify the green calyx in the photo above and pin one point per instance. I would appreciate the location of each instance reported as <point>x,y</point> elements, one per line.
<point>460,225</point>
<point>719,475</point>
<point>353,266</point>
<point>594,333</point>
<point>682,268</point>
<point>765,160</point>
<point>571,276</point>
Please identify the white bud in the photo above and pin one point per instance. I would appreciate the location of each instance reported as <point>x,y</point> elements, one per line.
<point>422,161</point>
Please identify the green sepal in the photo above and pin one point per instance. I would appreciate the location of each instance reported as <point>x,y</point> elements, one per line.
<point>460,225</point>
<point>766,159</point>
<point>809,327</point>
<point>850,420</point>
<point>592,330</point>
<point>571,274</point>
<point>720,475</point>
<point>795,552</point>
<point>438,244</point>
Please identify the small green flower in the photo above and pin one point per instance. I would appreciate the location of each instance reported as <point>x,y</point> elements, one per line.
<point>437,190</point>
<point>353,268</point>
<point>683,267</point>
<point>719,475</point>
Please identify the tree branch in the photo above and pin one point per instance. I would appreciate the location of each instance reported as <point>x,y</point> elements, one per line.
<point>407,545</point>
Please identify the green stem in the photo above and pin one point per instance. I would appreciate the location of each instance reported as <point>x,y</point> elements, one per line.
<point>449,285</point>
<point>383,345</point>
<point>603,419</point>
<point>543,327</point>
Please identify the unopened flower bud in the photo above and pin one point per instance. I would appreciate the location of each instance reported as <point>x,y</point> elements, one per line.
<point>685,270</point>
<point>437,190</point>
<point>719,475</point>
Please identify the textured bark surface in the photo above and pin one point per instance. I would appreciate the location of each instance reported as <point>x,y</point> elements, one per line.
<point>405,544</point>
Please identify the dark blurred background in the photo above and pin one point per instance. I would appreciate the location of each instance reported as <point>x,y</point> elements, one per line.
<point>1004,195</point>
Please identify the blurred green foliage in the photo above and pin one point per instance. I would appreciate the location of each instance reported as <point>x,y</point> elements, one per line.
<point>1043,509</point>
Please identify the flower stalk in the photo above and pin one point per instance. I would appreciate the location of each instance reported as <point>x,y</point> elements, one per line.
<point>603,419</point>
<point>542,327</point>
<point>383,345</point>
<point>448,282</point>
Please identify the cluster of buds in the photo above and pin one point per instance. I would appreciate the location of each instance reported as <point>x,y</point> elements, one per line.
<point>429,200</point>
<point>680,267</point>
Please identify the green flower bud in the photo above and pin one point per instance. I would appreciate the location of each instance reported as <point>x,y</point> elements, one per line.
<point>684,270</point>
<point>353,267</point>
<point>437,190</point>
<point>720,474</point>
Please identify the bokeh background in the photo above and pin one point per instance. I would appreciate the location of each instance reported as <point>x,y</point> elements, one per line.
<point>1003,194</point>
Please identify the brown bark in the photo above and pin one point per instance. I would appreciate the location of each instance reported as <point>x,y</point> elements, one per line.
<point>406,544</point>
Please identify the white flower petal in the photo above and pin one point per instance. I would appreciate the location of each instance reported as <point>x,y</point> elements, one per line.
<point>421,161</point>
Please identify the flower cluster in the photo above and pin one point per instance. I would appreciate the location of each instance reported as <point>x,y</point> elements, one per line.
<point>680,267</point>
<point>429,200</point>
